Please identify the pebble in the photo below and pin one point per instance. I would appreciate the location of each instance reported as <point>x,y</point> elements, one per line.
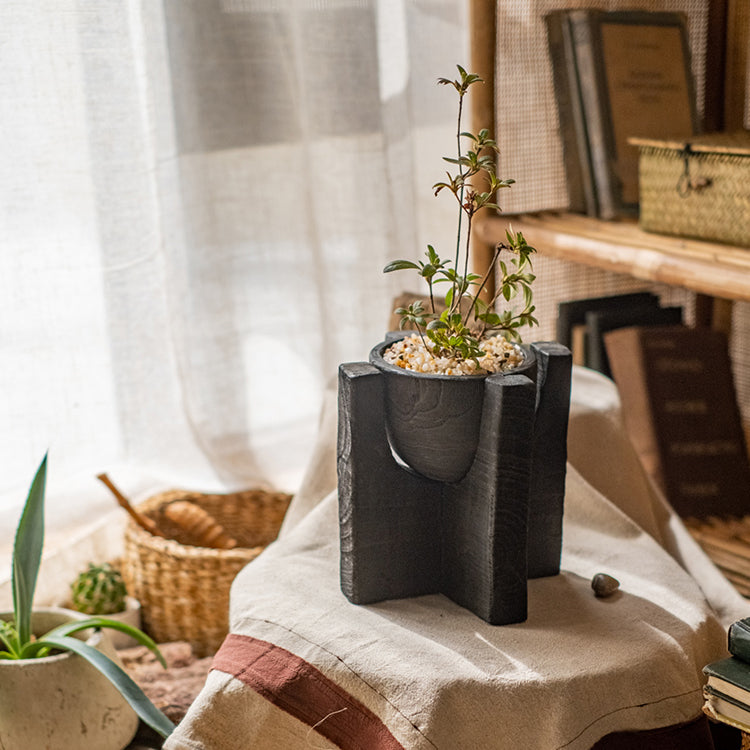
<point>410,353</point>
<point>604,585</point>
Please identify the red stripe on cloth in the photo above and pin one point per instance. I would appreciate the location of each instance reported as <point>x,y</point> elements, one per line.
<point>303,691</point>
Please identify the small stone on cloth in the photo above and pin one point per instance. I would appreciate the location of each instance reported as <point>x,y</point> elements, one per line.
<point>604,585</point>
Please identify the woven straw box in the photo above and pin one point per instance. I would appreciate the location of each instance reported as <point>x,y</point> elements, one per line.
<point>183,589</point>
<point>699,188</point>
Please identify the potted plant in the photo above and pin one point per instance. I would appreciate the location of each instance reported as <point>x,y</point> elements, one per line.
<point>452,439</point>
<point>461,338</point>
<point>60,683</point>
<point>453,336</point>
<point>99,589</point>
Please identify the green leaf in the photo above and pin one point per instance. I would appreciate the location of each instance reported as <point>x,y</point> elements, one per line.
<point>400,265</point>
<point>119,678</point>
<point>428,271</point>
<point>74,626</point>
<point>490,318</point>
<point>9,638</point>
<point>27,553</point>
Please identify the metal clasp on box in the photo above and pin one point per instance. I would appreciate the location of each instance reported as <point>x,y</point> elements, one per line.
<point>687,184</point>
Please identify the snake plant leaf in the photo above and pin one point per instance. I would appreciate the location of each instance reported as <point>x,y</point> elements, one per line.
<point>27,553</point>
<point>137,699</point>
<point>74,626</point>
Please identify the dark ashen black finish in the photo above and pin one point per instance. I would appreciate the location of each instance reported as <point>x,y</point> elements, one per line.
<point>433,420</point>
<point>476,539</point>
<point>549,458</point>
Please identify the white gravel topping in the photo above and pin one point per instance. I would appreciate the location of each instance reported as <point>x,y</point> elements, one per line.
<point>410,353</point>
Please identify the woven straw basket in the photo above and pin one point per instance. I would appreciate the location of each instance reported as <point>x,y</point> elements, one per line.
<point>699,189</point>
<point>184,590</point>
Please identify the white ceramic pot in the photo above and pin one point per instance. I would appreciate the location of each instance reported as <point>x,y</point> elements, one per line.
<point>61,702</point>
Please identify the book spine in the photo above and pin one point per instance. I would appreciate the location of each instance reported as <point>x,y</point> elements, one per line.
<point>579,179</point>
<point>739,639</point>
<point>594,106</point>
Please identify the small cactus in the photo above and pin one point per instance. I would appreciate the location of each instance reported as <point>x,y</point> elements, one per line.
<point>99,590</point>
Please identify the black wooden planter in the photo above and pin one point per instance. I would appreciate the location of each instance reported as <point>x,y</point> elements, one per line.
<point>413,521</point>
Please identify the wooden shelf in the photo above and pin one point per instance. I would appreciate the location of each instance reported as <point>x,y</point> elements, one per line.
<point>708,268</point>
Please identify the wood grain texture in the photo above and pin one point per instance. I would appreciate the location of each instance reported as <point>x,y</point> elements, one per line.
<point>622,247</point>
<point>433,421</point>
<point>403,534</point>
<point>388,516</point>
<point>549,458</point>
<point>485,516</point>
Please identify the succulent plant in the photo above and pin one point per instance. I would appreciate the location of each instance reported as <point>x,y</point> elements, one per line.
<point>99,590</point>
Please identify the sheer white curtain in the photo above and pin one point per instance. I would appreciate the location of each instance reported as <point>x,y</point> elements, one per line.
<point>198,197</point>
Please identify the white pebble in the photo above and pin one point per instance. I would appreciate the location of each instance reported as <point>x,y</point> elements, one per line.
<point>410,353</point>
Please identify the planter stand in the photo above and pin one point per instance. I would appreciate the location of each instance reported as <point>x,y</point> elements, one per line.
<point>477,540</point>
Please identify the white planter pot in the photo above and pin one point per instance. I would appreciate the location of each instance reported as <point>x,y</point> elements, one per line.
<point>61,702</point>
<point>130,615</point>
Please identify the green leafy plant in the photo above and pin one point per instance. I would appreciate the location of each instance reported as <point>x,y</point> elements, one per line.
<point>17,641</point>
<point>98,590</point>
<point>457,327</point>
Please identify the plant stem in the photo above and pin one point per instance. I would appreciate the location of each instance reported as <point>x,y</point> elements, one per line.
<point>456,302</point>
<point>469,215</point>
<point>424,343</point>
<point>498,249</point>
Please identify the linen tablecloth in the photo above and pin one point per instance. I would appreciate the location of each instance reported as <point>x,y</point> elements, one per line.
<point>304,668</point>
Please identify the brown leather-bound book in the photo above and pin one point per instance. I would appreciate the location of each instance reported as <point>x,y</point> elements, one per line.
<point>680,409</point>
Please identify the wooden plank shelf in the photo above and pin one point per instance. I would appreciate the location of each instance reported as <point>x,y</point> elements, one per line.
<point>708,268</point>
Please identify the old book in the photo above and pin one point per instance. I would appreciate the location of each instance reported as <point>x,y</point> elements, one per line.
<point>601,322</point>
<point>728,710</point>
<point>727,692</point>
<point>571,314</point>
<point>730,677</point>
<point>680,410</point>
<point>576,157</point>
<point>739,639</point>
<point>634,79</point>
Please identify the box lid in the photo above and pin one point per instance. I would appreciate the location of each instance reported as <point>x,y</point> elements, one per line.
<point>737,143</point>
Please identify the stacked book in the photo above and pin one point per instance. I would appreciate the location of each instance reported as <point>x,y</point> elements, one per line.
<point>727,690</point>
